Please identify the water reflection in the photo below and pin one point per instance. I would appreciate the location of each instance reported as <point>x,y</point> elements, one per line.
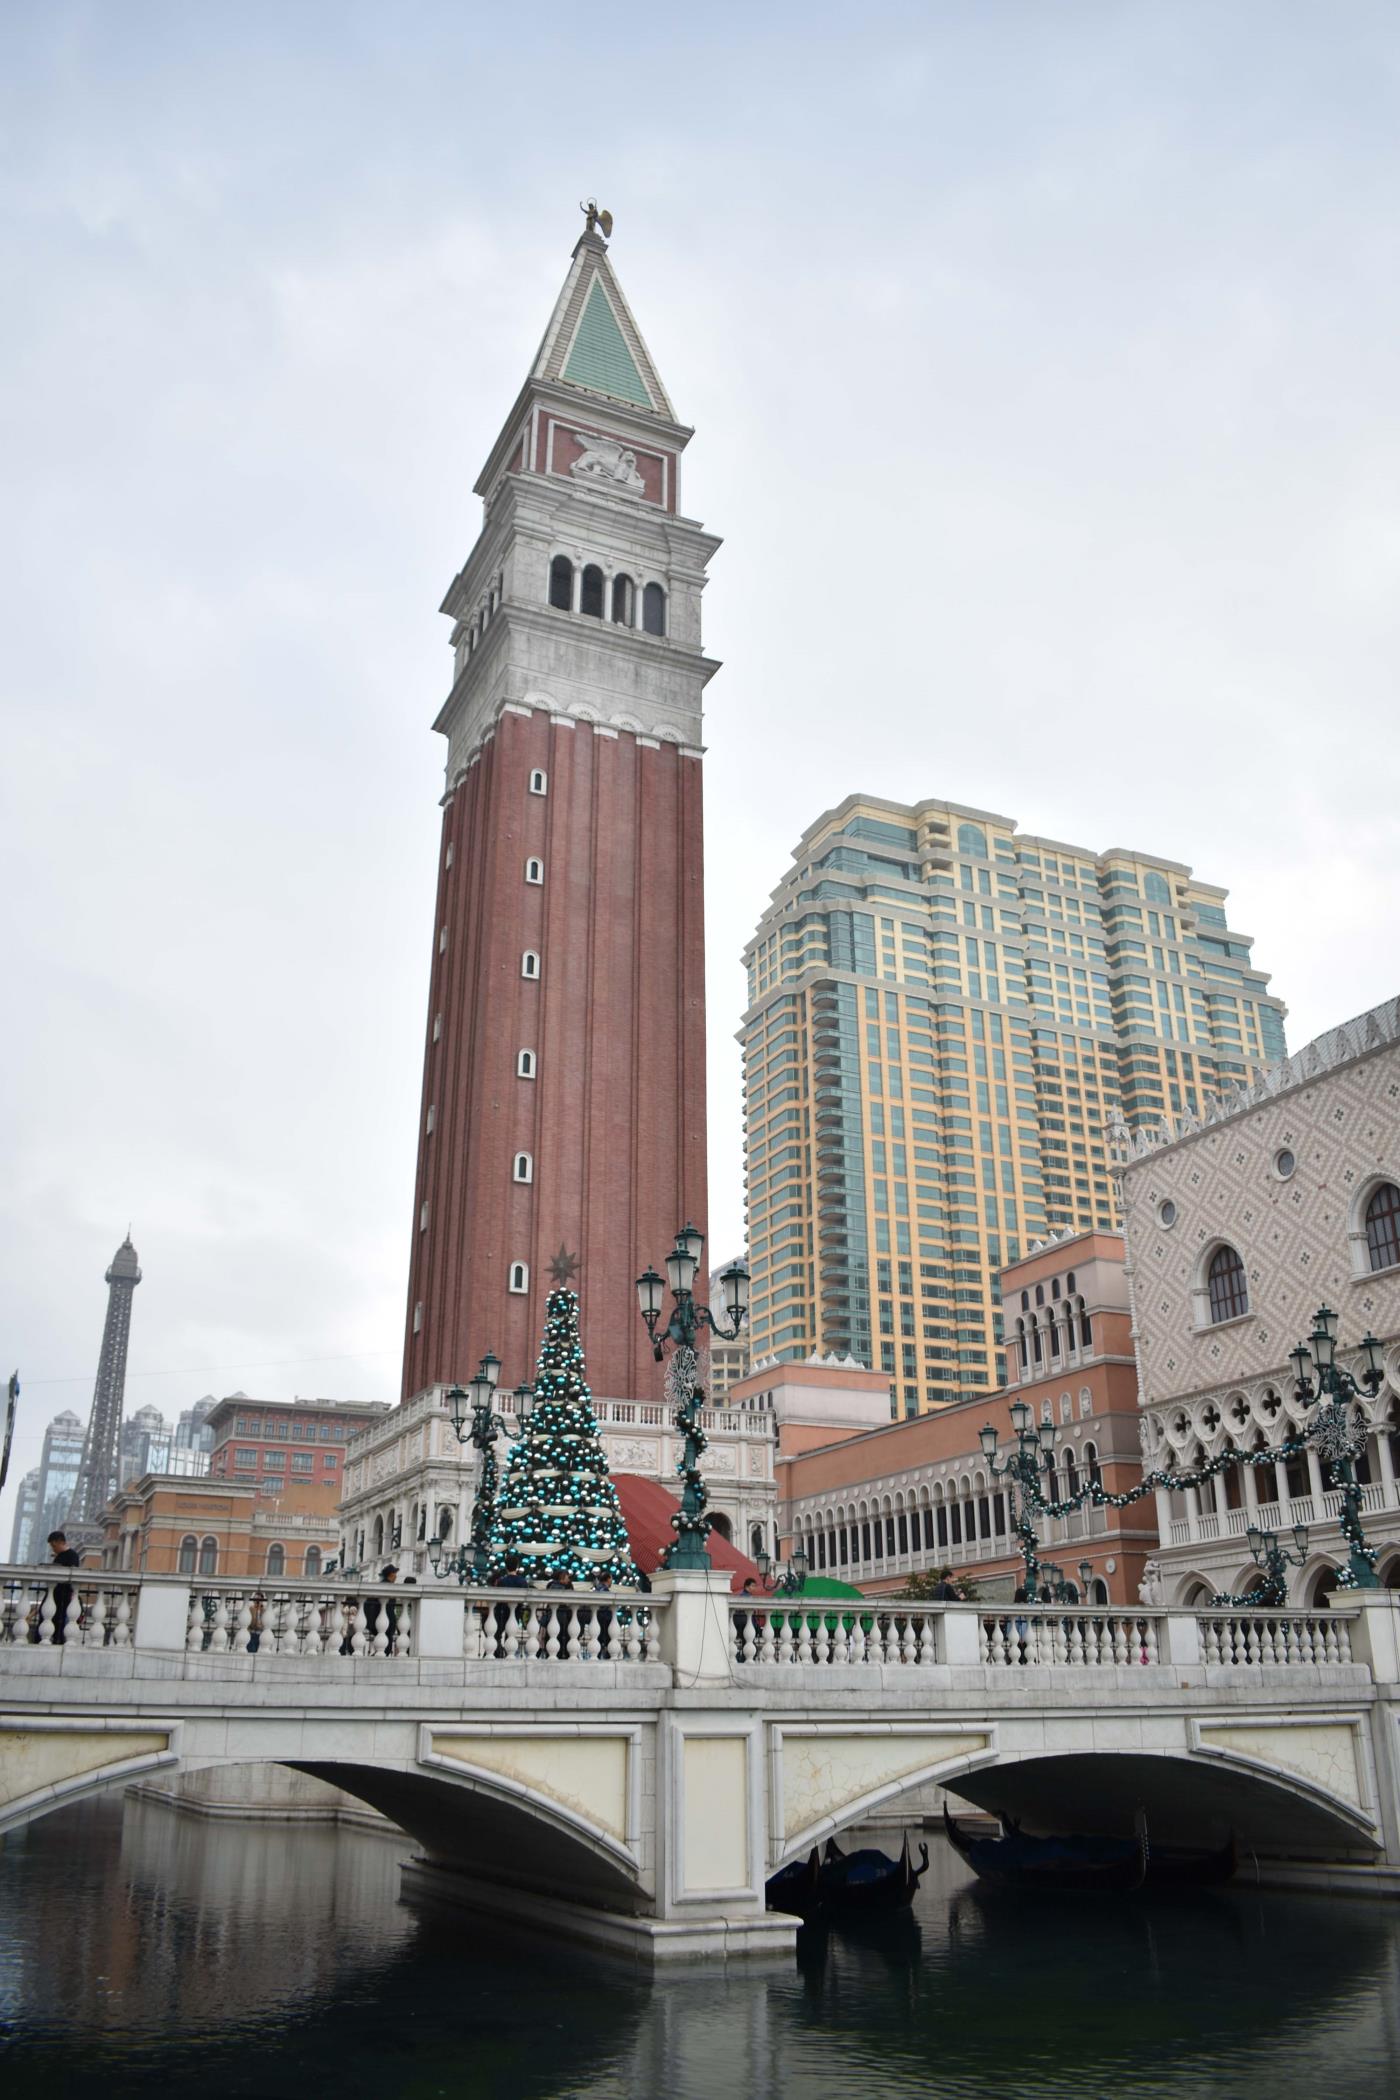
<point>138,1946</point>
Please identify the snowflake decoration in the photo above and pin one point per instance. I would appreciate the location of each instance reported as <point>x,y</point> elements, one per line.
<point>1334,1434</point>
<point>681,1377</point>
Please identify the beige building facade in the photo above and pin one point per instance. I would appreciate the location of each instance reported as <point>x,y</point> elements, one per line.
<point>1239,1226</point>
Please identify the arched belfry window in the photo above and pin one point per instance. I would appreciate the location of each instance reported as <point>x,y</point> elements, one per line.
<point>1227,1286</point>
<point>529,963</point>
<point>654,609</point>
<point>591,592</point>
<point>622,597</point>
<point>539,781</point>
<point>524,1167</point>
<point>561,583</point>
<point>519,1277</point>
<point>1383,1227</point>
<point>525,1065</point>
<point>534,870</point>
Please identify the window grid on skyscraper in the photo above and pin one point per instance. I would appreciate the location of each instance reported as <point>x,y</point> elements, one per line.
<point>943,1016</point>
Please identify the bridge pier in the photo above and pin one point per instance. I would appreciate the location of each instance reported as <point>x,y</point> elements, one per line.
<point>702,1815</point>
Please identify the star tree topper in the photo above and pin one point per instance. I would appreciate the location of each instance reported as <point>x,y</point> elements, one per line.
<point>564,1267</point>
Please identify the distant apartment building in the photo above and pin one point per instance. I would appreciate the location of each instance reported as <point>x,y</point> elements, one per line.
<point>270,1444</point>
<point>59,1459</point>
<point>729,1361</point>
<point>25,1527</point>
<point>181,1449</point>
<point>943,1015</point>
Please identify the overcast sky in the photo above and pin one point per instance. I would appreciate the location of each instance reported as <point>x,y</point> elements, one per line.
<point>1042,359</point>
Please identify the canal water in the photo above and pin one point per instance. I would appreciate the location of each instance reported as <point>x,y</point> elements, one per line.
<point>144,1952</point>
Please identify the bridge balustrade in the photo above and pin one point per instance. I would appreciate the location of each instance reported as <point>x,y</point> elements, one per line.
<point>337,1621</point>
<point>1252,1638</point>
<point>99,1611</point>
<point>1035,1636</point>
<point>503,1626</point>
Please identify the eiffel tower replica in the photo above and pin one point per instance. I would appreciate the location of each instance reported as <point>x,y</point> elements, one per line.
<point>97,1470</point>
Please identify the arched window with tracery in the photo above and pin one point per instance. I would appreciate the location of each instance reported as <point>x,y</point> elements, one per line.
<point>1227,1286</point>
<point>209,1556</point>
<point>189,1547</point>
<point>1383,1227</point>
<point>276,1560</point>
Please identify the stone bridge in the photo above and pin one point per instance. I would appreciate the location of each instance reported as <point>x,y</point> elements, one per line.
<point>633,1776</point>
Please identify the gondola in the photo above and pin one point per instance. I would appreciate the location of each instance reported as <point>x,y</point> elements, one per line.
<point>857,1882</point>
<point>797,1886</point>
<point>1015,1860</point>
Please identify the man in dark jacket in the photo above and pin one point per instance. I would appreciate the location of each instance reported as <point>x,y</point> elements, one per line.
<point>64,1556</point>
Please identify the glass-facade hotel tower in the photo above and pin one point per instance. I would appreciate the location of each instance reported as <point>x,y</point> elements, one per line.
<point>943,1014</point>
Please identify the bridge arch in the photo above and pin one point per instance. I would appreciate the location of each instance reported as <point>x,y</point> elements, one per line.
<point>522,1816</point>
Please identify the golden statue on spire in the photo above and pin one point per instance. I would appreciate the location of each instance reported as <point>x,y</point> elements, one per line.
<point>597,221</point>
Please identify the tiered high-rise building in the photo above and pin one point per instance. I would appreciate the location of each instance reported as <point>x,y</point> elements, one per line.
<point>943,1015</point>
<point>562,1132</point>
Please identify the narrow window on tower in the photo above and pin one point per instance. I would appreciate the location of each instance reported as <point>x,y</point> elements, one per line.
<point>432,1118</point>
<point>561,583</point>
<point>591,592</point>
<point>654,609</point>
<point>525,1065</point>
<point>442,939</point>
<point>447,861</point>
<point>423,1218</point>
<point>529,964</point>
<point>622,594</point>
<point>524,1167</point>
<point>539,782</point>
<point>418,1317</point>
<point>437,1026</point>
<point>519,1277</point>
<point>534,870</point>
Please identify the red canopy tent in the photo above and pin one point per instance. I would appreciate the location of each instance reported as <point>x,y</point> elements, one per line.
<point>647,1510</point>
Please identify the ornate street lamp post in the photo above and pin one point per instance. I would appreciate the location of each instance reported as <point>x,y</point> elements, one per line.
<point>1335,1433</point>
<point>476,1422</point>
<point>682,1330</point>
<point>783,1582</point>
<point>1275,1560</point>
<point>1021,1468</point>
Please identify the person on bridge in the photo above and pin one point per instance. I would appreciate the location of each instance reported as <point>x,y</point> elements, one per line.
<point>64,1556</point>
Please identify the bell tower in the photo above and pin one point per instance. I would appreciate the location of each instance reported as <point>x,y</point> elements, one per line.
<point>562,1127</point>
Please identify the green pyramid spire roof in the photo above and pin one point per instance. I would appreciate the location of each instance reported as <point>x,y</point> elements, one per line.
<point>592,341</point>
<point>599,357</point>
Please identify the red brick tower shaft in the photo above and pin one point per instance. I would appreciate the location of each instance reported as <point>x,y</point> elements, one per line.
<point>564,1076</point>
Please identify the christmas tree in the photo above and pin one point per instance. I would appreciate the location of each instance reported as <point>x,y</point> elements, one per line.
<point>558,1510</point>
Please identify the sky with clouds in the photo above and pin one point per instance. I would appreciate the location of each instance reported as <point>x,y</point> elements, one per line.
<point>1041,355</point>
